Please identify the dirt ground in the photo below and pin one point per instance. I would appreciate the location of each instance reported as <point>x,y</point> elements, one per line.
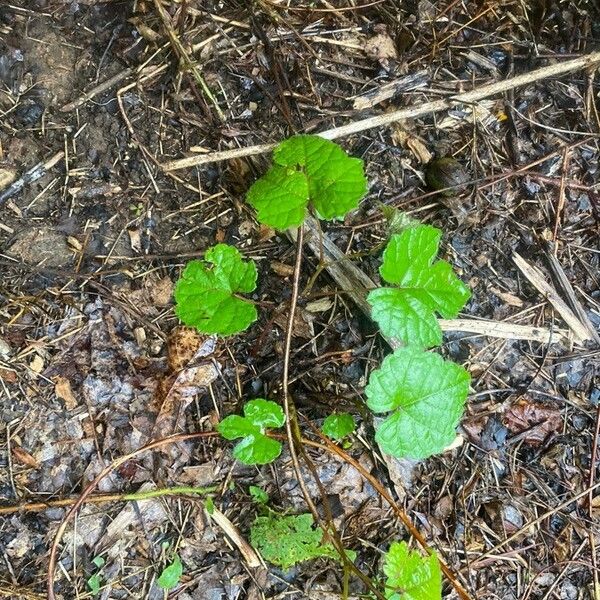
<point>89,253</point>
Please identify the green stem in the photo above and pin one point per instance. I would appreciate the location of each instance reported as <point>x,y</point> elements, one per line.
<point>173,491</point>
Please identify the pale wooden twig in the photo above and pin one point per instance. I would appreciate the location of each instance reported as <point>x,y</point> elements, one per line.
<point>231,531</point>
<point>98,89</point>
<point>30,176</point>
<point>564,284</point>
<point>480,93</point>
<point>538,280</point>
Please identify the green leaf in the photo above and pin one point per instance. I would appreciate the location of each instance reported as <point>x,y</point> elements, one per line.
<point>285,540</point>
<point>258,494</point>
<point>206,297</point>
<point>264,413</point>
<point>411,576</point>
<point>307,169</point>
<point>255,447</point>
<point>171,575</point>
<point>424,288</point>
<point>94,582</point>
<point>338,426</point>
<point>427,396</point>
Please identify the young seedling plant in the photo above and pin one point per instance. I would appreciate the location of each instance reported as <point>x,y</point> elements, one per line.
<point>422,394</point>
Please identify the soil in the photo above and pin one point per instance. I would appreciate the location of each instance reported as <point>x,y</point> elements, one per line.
<point>91,350</point>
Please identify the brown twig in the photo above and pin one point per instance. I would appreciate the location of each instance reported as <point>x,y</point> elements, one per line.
<point>404,518</point>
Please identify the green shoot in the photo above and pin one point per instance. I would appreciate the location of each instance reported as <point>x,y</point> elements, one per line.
<point>171,575</point>
<point>255,448</point>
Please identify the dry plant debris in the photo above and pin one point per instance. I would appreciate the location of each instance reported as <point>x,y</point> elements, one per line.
<point>96,98</point>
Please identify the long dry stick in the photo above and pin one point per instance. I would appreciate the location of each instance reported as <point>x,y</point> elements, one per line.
<point>583,62</point>
<point>104,498</point>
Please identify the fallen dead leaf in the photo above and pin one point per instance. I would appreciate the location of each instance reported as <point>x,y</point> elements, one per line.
<point>190,375</point>
<point>320,305</point>
<point>62,389</point>
<point>303,327</point>
<point>533,421</point>
<point>182,345</point>
<point>282,269</point>
<point>8,376</point>
<point>507,297</point>
<point>381,47</point>
<point>37,364</point>
<point>24,457</point>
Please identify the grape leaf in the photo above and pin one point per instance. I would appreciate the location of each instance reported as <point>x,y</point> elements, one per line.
<point>338,425</point>
<point>206,296</point>
<point>285,540</point>
<point>407,312</point>
<point>411,576</point>
<point>255,448</point>
<point>426,394</point>
<point>171,575</point>
<point>307,169</point>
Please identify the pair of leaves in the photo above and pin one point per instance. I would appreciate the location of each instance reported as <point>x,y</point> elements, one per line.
<point>424,287</point>
<point>307,169</point>
<point>411,576</point>
<point>426,396</point>
<point>95,581</point>
<point>285,540</point>
<point>206,297</point>
<point>255,448</point>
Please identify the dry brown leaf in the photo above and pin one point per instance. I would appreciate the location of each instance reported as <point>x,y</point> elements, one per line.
<point>303,327</point>
<point>182,345</point>
<point>507,297</point>
<point>24,457</point>
<point>190,375</point>
<point>37,364</point>
<point>533,421</point>
<point>62,389</point>
<point>8,376</point>
<point>282,269</point>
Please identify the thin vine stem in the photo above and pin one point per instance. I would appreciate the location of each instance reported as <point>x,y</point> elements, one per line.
<point>294,436</point>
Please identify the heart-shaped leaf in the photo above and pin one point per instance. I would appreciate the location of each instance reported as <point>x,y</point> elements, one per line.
<point>307,169</point>
<point>426,396</point>
<point>206,295</point>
